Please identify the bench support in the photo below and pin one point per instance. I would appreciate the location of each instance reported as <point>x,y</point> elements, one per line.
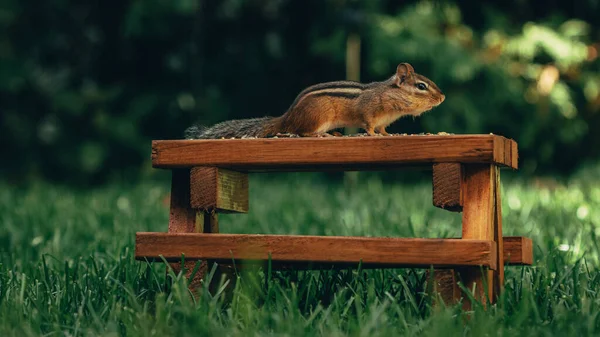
<point>447,186</point>
<point>480,222</point>
<point>184,219</point>
<point>218,190</point>
<point>214,189</point>
<point>478,194</point>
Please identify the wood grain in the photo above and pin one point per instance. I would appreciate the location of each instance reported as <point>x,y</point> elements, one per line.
<point>182,218</point>
<point>477,224</point>
<point>514,153</point>
<point>220,190</point>
<point>447,182</point>
<point>336,153</point>
<point>518,250</point>
<point>445,284</point>
<point>497,228</point>
<point>207,222</point>
<point>319,249</point>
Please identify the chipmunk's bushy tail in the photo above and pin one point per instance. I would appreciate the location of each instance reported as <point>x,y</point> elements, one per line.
<point>240,128</point>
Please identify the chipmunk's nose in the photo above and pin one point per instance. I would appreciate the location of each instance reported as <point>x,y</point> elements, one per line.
<point>442,98</point>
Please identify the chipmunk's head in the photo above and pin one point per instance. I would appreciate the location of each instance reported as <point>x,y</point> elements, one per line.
<point>420,92</point>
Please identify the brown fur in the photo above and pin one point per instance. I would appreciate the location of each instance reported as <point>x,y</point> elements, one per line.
<point>327,106</point>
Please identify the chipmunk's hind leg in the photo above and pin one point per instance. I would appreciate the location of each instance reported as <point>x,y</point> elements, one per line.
<point>370,129</point>
<point>381,130</point>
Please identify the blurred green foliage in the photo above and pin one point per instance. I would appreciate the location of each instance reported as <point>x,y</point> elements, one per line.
<point>85,86</point>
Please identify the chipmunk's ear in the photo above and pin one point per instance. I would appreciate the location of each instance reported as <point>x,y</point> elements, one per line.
<point>403,72</point>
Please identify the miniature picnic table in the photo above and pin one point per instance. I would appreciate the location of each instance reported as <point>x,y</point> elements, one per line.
<point>211,177</point>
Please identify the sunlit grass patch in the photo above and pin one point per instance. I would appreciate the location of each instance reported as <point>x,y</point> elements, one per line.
<point>67,267</point>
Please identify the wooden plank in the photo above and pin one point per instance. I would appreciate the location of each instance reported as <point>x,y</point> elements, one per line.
<point>518,250</point>
<point>478,224</point>
<point>220,190</point>
<point>500,148</point>
<point>341,153</point>
<point>445,284</point>
<point>514,152</point>
<point>318,249</point>
<point>184,219</point>
<point>447,182</point>
<point>497,229</point>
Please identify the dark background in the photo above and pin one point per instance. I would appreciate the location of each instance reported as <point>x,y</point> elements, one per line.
<point>85,86</point>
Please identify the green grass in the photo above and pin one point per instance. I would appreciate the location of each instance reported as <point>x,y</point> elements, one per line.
<point>67,267</point>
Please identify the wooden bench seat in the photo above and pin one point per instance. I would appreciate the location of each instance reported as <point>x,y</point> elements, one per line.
<point>335,153</point>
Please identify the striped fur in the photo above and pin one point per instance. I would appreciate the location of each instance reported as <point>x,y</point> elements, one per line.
<point>266,126</point>
<point>322,89</point>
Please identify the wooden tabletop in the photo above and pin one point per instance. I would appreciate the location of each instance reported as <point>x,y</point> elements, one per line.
<point>335,153</point>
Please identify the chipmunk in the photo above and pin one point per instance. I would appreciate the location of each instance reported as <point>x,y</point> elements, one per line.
<point>323,107</point>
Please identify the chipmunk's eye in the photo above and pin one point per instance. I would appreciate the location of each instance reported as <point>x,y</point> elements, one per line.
<point>421,86</point>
